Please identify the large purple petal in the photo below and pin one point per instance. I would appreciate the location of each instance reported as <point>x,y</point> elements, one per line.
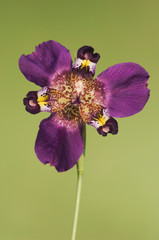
<point>50,58</point>
<point>125,87</point>
<point>59,145</point>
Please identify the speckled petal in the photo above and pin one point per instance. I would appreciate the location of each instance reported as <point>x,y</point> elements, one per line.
<point>125,87</point>
<point>59,145</point>
<point>89,111</point>
<point>49,59</point>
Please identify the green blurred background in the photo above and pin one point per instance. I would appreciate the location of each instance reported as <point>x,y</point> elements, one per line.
<point>120,195</point>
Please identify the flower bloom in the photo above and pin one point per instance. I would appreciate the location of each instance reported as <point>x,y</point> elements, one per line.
<point>73,97</point>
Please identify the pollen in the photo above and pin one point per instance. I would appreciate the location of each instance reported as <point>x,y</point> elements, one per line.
<point>42,104</point>
<point>63,100</point>
<point>43,98</point>
<point>85,63</point>
<point>101,119</point>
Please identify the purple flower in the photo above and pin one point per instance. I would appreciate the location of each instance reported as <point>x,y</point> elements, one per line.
<point>72,97</point>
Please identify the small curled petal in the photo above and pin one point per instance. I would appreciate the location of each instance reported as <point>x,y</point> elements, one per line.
<point>86,52</point>
<point>111,126</point>
<point>30,102</point>
<point>86,60</point>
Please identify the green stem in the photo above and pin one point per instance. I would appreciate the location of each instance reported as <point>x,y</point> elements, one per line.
<point>79,185</point>
<point>80,169</point>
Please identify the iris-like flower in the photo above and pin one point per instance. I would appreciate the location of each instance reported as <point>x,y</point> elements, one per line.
<point>73,98</point>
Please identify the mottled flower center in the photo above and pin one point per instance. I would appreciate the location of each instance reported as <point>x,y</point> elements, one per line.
<point>75,97</point>
<point>79,89</point>
<point>79,86</point>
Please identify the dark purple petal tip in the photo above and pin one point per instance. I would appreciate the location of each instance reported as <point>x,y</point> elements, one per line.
<point>30,102</point>
<point>86,52</point>
<point>111,126</point>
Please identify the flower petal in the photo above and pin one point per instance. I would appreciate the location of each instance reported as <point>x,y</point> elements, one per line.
<point>86,60</point>
<point>49,59</point>
<point>59,145</point>
<point>125,87</point>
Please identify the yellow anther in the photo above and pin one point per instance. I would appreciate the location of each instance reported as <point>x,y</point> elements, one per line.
<point>101,119</point>
<point>85,63</point>
<point>41,104</point>
<point>43,98</point>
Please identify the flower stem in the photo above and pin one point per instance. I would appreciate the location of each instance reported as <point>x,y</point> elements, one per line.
<point>79,185</point>
<point>80,169</point>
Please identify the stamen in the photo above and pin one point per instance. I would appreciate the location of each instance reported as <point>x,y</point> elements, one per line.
<point>43,95</point>
<point>101,119</point>
<point>42,100</point>
<point>104,123</point>
<point>44,106</point>
<point>85,63</point>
